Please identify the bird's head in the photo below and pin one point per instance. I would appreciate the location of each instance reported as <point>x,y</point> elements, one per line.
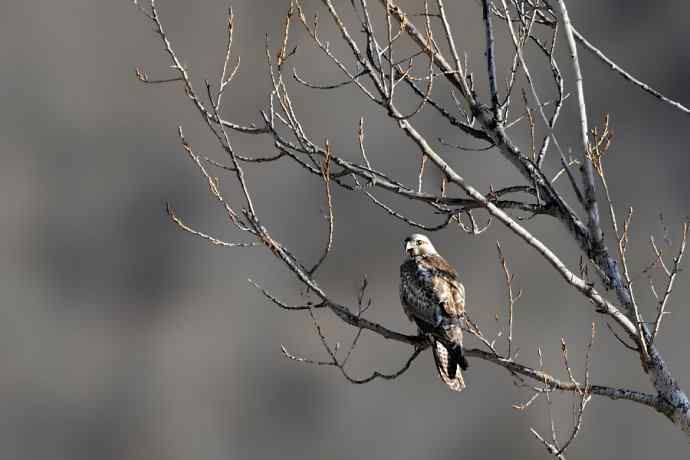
<point>418,245</point>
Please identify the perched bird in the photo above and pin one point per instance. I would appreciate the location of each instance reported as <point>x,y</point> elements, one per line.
<point>433,297</point>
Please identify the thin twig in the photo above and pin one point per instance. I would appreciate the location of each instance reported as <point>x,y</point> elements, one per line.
<point>661,309</point>
<point>622,249</point>
<point>326,174</point>
<point>626,75</point>
<point>512,297</point>
<point>211,239</point>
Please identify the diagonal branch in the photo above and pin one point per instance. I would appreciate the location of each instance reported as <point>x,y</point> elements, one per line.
<point>626,75</point>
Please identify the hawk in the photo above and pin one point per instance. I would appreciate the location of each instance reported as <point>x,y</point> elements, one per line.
<point>433,297</point>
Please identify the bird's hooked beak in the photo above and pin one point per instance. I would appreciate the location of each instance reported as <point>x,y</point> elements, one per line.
<point>410,248</point>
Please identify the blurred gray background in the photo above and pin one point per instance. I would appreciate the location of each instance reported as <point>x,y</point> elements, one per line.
<point>124,338</point>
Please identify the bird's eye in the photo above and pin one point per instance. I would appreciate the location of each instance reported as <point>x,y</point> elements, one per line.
<point>419,242</point>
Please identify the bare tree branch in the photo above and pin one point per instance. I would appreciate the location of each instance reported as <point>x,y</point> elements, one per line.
<point>377,66</point>
<point>615,67</point>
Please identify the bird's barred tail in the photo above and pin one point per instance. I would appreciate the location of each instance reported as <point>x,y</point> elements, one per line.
<point>450,364</point>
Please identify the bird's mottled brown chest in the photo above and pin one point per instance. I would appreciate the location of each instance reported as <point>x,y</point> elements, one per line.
<point>430,291</point>
<point>419,299</point>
